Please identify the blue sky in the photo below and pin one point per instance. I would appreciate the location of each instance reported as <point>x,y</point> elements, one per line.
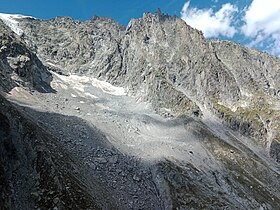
<point>254,23</point>
<point>120,10</point>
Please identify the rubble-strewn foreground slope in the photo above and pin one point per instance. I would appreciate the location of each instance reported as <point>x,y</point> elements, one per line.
<point>152,116</point>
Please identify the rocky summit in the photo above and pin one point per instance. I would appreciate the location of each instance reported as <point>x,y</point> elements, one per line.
<point>94,115</point>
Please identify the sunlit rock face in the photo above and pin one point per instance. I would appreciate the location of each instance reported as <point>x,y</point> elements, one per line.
<point>95,115</point>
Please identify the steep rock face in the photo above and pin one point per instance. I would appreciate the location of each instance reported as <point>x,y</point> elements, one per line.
<point>162,60</point>
<point>254,71</point>
<point>153,54</point>
<point>76,47</point>
<point>97,47</point>
<point>162,51</point>
<point>19,66</point>
<point>256,113</point>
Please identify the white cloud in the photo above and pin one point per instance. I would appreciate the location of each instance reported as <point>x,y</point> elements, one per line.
<point>262,15</point>
<point>262,22</point>
<point>258,23</point>
<point>212,24</point>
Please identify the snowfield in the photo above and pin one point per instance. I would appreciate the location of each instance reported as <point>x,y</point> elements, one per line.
<point>12,22</point>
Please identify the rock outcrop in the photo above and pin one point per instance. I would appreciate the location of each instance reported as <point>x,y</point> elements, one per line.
<point>19,66</point>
